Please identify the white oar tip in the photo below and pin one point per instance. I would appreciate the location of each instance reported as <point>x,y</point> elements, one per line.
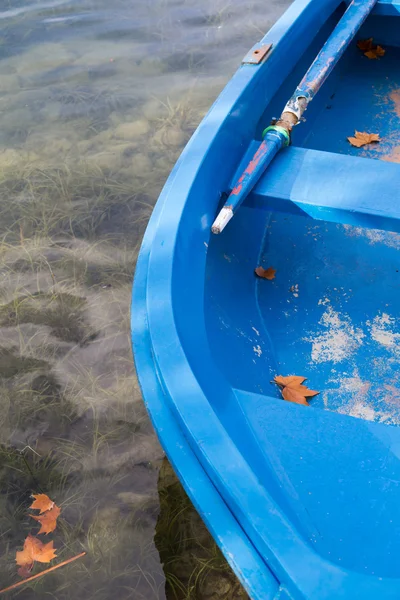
<point>224,216</point>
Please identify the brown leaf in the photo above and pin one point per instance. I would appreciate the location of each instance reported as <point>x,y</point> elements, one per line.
<point>370,50</point>
<point>265,273</point>
<point>48,520</point>
<point>42,503</point>
<point>25,571</point>
<point>293,390</point>
<point>361,138</point>
<point>294,396</point>
<point>375,53</point>
<point>34,550</point>
<point>290,380</point>
<point>365,45</point>
<point>304,391</point>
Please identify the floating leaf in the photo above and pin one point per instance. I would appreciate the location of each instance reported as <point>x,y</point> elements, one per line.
<point>371,51</point>
<point>361,138</point>
<point>293,390</point>
<point>34,550</point>
<point>48,520</point>
<point>42,503</point>
<point>265,273</point>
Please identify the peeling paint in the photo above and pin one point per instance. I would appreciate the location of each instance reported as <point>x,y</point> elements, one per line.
<point>382,332</point>
<point>374,236</point>
<point>323,301</point>
<point>339,340</point>
<point>395,98</point>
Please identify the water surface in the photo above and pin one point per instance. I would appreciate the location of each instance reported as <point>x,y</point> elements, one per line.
<point>97,100</point>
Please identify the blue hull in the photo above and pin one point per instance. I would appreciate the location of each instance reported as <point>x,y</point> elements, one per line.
<point>303,501</point>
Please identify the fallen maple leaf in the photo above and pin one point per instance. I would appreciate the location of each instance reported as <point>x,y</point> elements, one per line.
<point>294,396</point>
<point>361,138</point>
<point>34,550</point>
<point>293,390</point>
<point>376,52</point>
<point>42,503</point>
<point>265,273</point>
<point>365,45</point>
<point>290,380</point>
<point>48,520</point>
<point>371,51</point>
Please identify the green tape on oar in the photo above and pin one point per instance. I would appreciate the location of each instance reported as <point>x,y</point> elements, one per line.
<point>281,130</point>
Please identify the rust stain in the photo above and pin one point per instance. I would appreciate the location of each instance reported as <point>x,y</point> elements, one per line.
<point>395,98</point>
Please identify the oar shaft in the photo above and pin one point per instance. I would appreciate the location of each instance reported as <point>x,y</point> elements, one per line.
<point>278,135</point>
<point>267,150</point>
<point>329,56</point>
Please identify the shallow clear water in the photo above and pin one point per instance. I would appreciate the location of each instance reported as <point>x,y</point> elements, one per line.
<point>97,99</point>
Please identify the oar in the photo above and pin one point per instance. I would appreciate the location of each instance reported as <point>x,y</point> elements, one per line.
<point>277,136</point>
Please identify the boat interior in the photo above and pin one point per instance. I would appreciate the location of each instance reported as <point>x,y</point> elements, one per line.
<point>325,215</point>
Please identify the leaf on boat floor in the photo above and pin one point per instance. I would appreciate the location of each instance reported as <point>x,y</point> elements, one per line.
<point>34,550</point>
<point>293,390</point>
<point>294,396</point>
<point>361,138</point>
<point>48,520</point>
<point>265,273</point>
<point>371,51</point>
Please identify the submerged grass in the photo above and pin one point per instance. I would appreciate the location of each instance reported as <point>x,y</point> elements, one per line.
<point>81,165</point>
<point>72,423</point>
<point>193,564</point>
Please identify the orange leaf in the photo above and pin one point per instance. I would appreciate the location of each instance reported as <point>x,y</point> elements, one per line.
<point>361,138</point>
<point>370,50</point>
<point>48,520</point>
<point>265,273</point>
<point>42,503</point>
<point>375,52</point>
<point>34,550</point>
<point>294,396</point>
<point>293,390</point>
<point>290,380</point>
<point>304,391</point>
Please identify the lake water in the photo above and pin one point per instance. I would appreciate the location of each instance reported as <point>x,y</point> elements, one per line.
<point>97,99</point>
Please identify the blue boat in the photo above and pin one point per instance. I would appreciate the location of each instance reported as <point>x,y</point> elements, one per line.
<point>304,501</point>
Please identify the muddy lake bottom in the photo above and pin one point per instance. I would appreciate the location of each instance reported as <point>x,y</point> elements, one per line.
<point>96,104</point>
